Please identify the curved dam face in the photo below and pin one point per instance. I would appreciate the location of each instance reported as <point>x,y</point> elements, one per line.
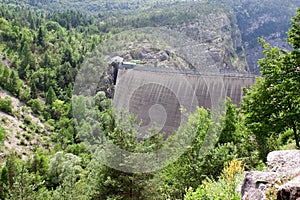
<point>158,98</point>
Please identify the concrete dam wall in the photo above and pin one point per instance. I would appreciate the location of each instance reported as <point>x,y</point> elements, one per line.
<point>159,97</point>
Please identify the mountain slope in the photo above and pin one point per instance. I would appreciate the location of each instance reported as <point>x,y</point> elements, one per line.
<point>249,20</point>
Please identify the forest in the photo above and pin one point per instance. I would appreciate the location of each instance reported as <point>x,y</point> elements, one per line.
<point>42,48</point>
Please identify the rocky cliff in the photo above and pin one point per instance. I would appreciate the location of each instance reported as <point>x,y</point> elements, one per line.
<point>269,20</point>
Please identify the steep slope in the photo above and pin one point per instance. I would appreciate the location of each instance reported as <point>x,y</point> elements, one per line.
<point>24,131</point>
<point>248,20</point>
<point>267,19</point>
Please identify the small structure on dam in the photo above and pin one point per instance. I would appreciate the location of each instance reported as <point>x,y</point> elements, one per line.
<point>158,96</point>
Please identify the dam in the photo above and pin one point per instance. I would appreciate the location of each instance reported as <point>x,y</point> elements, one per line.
<point>158,96</point>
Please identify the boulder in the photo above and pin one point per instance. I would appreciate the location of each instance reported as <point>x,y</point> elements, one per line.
<point>163,56</point>
<point>255,184</point>
<point>284,161</point>
<point>282,180</point>
<point>290,190</point>
<point>117,59</point>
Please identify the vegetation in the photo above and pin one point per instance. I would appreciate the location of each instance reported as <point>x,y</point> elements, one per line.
<point>43,48</point>
<point>271,107</point>
<point>6,105</point>
<point>223,188</point>
<point>2,135</point>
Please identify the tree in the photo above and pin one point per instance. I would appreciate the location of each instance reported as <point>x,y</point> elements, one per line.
<point>33,91</point>
<point>271,106</point>
<point>191,168</point>
<point>13,85</point>
<point>228,133</point>
<point>50,96</point>
<point>36,105</point>
<point>6,105</point>
<point>58,108</point>
<point>294,32</point>
<point>28,61</point>
<point>4,183</point>
<point>41,37</point>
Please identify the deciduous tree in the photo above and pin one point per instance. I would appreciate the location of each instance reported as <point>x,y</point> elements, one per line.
<point>272,105</point>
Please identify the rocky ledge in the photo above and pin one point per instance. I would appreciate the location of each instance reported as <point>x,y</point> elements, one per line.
<point>281,181</point>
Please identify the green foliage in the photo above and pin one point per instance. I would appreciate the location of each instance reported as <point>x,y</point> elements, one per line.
<point>36,105</point>
<point>223,188</point>
<point>191,168</point>
<point>10,81</point>
<point>6,105</point>
<point>271,106</point>
<point>64,167</point>
<point>2,134</point>
<point>294,32</point>
<point>50,96</point>
<point>228,132</point>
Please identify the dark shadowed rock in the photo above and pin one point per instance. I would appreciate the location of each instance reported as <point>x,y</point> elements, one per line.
<point>290,190</point>
<point>163,56</point>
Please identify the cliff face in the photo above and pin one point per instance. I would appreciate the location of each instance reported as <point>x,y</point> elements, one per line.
<point>217,42</point>
<point>269,20</point>
<point>230,30</point>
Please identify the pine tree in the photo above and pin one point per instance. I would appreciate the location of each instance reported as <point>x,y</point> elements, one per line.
<point>4,183</point>
<point>41,37</point>
<point>33,91</point>
<point>50,96</point>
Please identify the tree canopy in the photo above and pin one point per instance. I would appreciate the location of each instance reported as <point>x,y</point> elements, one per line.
<point>272,104</point>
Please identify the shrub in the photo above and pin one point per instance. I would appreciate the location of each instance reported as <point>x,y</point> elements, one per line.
<point>224,188</point>
<point>27,136</point>
<point>27,120</point>
<point>37,105</point>
<point>6,105</point>
<point>23,142</point>
<point>2,134</point>
<point>18,135</point>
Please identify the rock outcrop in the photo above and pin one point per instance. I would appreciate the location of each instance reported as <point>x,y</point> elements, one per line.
<point>281,181</point>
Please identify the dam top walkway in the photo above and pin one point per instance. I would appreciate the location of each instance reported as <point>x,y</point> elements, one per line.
<point>185,71</point>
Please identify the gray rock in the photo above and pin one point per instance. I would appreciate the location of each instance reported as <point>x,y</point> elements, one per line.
<point>117,59</point>
<point>290,190</point>
<point>283,178</point>
<point>284,161</point>
<point>255,184</point>
<point>163,56</point>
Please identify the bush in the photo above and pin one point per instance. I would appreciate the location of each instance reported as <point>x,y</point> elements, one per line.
<point>224,188</point>
<point>6,105</point>
<point>23,142</point>
<point>2,134</point>
<point>27,136</point>
<point>27,120</point>
<point>37,105</point>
